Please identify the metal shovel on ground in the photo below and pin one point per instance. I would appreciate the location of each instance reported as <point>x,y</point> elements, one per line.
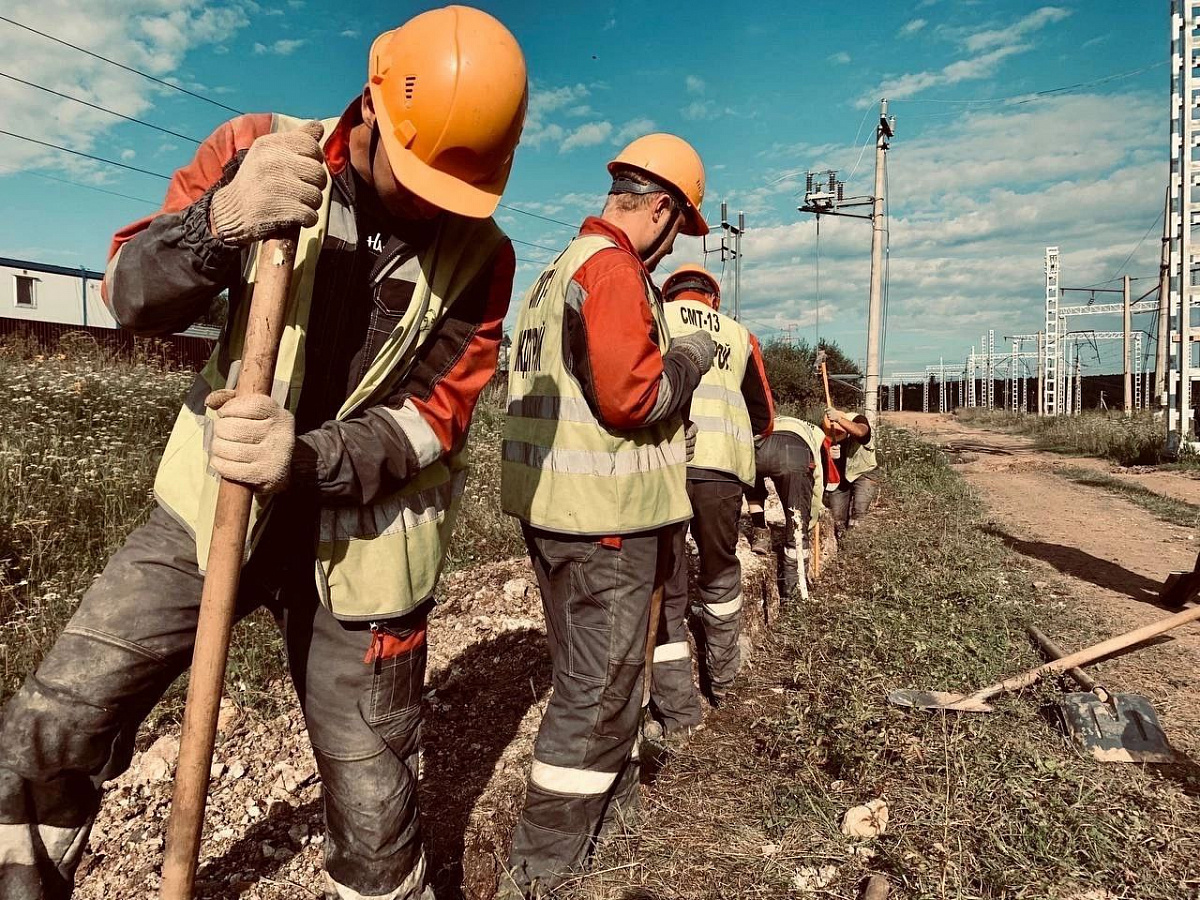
<point>977,702</point>
<point>1111,727</point>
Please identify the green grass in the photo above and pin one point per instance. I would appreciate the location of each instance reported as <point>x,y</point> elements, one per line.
<point>79,445</point>
<point>1128,441</point>
<point>981,806</point>
<point>1176,512</point>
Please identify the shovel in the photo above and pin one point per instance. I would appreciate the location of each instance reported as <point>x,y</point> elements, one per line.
<point>1111,727</point>
<point>218,602</point>
<point>977,702</point>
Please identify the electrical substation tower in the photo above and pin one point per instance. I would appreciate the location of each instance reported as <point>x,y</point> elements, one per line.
<point>1183,262</point>
<point>824,195</point>
<point>730,248</point>
<point>1051,373</point>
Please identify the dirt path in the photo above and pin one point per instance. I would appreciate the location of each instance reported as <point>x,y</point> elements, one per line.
<point>1112,556</point>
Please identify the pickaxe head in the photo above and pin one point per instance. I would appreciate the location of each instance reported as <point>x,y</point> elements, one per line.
<point>819,361</point>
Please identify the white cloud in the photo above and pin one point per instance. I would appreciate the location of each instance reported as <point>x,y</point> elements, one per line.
<point>283,47</point>
<point>545,102</point>
<point>903,86</point>
<point>973,206</point>
<point>1000,37</point>
<point>634,128</point>
<point>351,33</point>
<point>128,153</point>
<point>587,135</point>
<point>695,85</point>
<point>912,27</point>
<point>840,58</point>
<point>151,35</point>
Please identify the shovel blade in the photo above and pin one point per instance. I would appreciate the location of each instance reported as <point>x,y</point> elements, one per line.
<point>914,699</point>
<point>1125,729</point>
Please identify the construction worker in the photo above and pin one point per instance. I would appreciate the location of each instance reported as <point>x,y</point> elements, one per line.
<point>730,408</point>
<point>854,455</point>
<point>401,285</point>
<point>796,457</point>
<point>594,469</point>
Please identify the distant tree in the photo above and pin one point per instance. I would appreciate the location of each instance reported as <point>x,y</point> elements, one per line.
<point>797,386</point>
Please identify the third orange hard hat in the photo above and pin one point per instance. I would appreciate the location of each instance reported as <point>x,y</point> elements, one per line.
<point>450,90</point>
<point>671,161</point>
<point>690,276</point>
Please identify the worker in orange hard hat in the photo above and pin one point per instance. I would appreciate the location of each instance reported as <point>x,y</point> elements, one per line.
<point>401,286</point>
<point>594,468</point>
<point>730,409</point>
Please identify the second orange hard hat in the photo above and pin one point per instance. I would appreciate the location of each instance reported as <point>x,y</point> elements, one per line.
<point>671,161</point>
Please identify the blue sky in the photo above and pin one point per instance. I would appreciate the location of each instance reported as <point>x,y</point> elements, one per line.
<point>979,185</point>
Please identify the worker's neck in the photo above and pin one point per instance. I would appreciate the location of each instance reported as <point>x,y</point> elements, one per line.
<point>360,153</point>
<point>635,227</point>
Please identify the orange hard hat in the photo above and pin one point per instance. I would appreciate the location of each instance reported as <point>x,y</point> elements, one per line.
<point>693,278</point>
<point>450,90</point>
<point>673,162</point>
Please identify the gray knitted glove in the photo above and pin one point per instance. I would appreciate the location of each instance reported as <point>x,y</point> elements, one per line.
<point>278,185</point>
<point>690,430</point>
<point>252,441</point>
<point>697,347</point>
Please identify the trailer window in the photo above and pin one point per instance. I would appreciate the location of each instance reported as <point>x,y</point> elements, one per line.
<point>26,294</point>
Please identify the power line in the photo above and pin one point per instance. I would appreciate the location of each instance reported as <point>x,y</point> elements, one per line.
<point>543,218</point>
<point>113,62</point>
<point>80,184</point>
<point>1030,97</point>
<point>103,109</point>
<point>111,162</point>
<point>538,246</point>
<point>1138,247</point>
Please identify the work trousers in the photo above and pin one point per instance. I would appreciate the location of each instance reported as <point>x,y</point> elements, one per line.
<point>585,775</point>
<point>716,508</point>
<point>788,461</point>
<point>72,725</point>
<point>851,502</point>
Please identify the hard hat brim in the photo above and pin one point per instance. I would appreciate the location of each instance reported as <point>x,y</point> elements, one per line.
<point>475,201</point>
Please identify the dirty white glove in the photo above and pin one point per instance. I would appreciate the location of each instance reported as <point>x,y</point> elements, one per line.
<point>698,347</point>
<point>690,430</point>
<point>252,441</point>
<point>278,185</point>
<point>832,414</point>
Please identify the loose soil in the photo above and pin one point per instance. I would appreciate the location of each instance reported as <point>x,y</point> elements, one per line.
<point>487,686</point>
<point>1108,558</point>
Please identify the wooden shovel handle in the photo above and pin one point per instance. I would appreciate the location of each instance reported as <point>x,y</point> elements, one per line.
<point>1052,650</point>
<point>825,381</point>
<point>1088,654</point>
<point>219,598</point>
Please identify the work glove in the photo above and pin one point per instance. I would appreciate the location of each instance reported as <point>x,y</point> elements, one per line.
<point>698,347</point>
<point>832,414</point>
<point>277,186</point>
<point>253,438</point>
<point>690,430</point>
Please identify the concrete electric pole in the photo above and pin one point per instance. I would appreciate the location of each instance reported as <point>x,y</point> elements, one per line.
<point>823,196</point>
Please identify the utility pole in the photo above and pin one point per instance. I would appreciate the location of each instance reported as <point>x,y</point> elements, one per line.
<point>730,248</point>
<point>1164,314</point>
<point>824,196</point>
<point>1126,349</point>
<point>883,133</point>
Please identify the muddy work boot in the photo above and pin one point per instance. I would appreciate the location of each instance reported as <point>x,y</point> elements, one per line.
<point>760,542</point>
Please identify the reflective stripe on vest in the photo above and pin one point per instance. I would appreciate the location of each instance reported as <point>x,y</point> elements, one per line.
<point>373,562</point>
<point>725,439</point>
<point>563,470</point>
<point>814,437</point>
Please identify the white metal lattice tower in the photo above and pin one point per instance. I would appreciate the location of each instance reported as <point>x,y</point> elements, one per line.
<point>991,366</point>
<point>1184,192</point>
<point>1050,347</point>
<point>942,405</point>
<point>925,393</point>
<point>1139,372</point>
<point>971,379</point>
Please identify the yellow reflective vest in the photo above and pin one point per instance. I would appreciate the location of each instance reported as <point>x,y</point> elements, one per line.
<point>563,470</point>
<point>725,437</point>
<point>376,561</point>
<point>814,437</point>
<point>860,458</point>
